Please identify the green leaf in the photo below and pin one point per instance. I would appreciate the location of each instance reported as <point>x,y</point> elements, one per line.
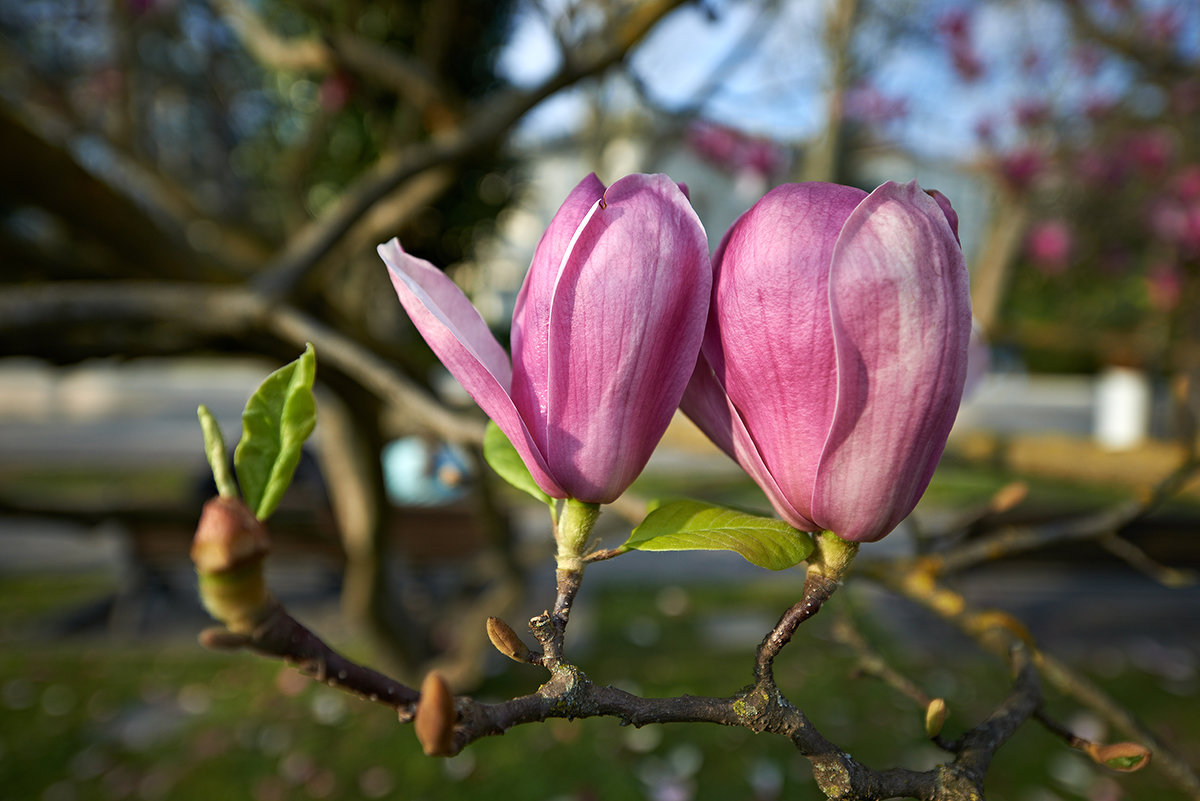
<point>505,460</point>
<point>695,526</point>
<point>278,418</point>
<point>214,449</point>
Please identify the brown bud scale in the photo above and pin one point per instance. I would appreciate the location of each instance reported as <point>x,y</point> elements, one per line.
<point>434,723</point>
<point>506,641</point>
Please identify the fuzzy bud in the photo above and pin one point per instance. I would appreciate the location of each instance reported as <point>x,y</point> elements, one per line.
<point>1124,757</point>
<point>435,718</point>
<point>1008,496</point>
<point>506,640</point>
<point>228,551</point>
<point>935,717</point>
<point>227,537</point>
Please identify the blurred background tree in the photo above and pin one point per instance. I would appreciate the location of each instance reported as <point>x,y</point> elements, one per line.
<point>183,178</point>
<point>204,178</point>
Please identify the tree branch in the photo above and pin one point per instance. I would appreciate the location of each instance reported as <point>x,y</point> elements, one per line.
<point>280,636</point>
<point>207,311</point>
<point>1000,634</point>
<point>476,133</point>
<point>270,49</point>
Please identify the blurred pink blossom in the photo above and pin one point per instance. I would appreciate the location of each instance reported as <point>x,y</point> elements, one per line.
<point>1100,168</point>
<point>1098,106</point>
<point>985,130</point>
<point>1031,111</point>
<point>713,142</point>
<point>1177,220</point>
<point>1049,246</point>
<point>954,24</point>
<point>1021,167</point>
<point>735,151</point>
<point>335,91</point>
<point>955,28</point>
<point>1150,150</point>
<point>966,62</point>
<point>1187,183</point>
<point>1163,26</point>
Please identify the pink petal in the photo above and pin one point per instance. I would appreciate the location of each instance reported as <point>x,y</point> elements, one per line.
<point>707,405</point>
<point>626,322</point>
<point>944,204</point>
<point>459,338</point>
<point>531,316</point>
<point>771,295</point>
<point>901,321</point>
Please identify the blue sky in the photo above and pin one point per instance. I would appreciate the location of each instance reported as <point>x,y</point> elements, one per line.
<point>777,90</point>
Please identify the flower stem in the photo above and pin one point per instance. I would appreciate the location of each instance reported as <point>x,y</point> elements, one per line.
<point>572,527</point>
<point>572,530</point>
<point>826,566</point>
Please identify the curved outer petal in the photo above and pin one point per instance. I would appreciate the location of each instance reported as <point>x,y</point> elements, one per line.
<point>461,340</point>
<point>771,302</point>
<point>627,317</point>
<point>951,215</point>
<point>901,318</point>
<point>707,404</point>
<point>531,316</point>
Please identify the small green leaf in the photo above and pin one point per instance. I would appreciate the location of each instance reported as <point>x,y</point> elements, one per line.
<point>214,449</point>
<point>695,526</point>
<point>505,460</point>
<point>1126,764</point>
<point>278,418</point>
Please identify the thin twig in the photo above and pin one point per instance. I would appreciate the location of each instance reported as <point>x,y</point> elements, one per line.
<point>1139,560</point>
<point>978,746</point>
<point>817,590</point>
<point>872,663</point>
<point>281,636</point>
<point>997,632</point>
<point>1019,539</point>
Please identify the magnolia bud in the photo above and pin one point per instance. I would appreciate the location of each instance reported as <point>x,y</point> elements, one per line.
<point>228,550</point>
<point>227,536</point>
<point>1008,496</point>
<point>506,640</point>
<point>219,638</point>
<point>1124,757</point>
<point>605,333</point>
<point>935,717</point>
<point>836,351</point>
<point>435,718</point>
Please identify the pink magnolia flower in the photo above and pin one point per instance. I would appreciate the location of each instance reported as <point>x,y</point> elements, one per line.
<point>836,351</point>
<point>604,338</point>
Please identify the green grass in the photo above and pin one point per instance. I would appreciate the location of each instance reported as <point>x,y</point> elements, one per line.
<point>89,719</point>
